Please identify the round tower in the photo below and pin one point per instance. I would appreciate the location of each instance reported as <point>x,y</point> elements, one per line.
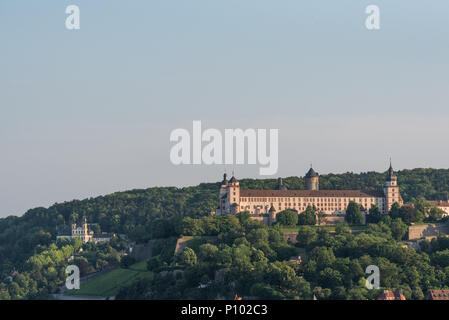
<point>312,180</point>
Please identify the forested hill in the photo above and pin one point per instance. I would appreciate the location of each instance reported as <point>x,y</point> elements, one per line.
<point>142,214</point>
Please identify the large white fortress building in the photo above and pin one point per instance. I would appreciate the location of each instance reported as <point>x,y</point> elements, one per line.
<point>265,204</point>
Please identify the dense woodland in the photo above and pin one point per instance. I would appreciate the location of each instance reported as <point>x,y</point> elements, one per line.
<point>158,213</point>
<point>239,256</point>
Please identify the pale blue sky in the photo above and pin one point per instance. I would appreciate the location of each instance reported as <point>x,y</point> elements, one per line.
<point>89,112</point>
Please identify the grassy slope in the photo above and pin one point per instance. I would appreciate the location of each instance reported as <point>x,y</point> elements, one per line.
<point>109,283</point>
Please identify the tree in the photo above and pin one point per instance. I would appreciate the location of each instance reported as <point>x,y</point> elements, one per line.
<point>409,214</point>
<point>320,217</point>
<point>82,264</point>
<point>265,291</point>
<point>224,255</point>
<point>353,213</point>
<point>258,236</point>
<point>374,215</point>
<point>187,257</point>
<point>395,211</point>
<point>154,262</point>
<point>207,252</point>
<point>192,227</point>
<point>341,228</point>
<point>244,217</point>
<point>422,205</point>
<point>441,258</point>
<point>322,294</point>
<point>435,213</point>
<point>287,218</point>
<point>330,278</point>
<point>398,229</point>
<point>306,236</point>
<point>323,256</point>
<point>127,261</point>
<point>308,217</point>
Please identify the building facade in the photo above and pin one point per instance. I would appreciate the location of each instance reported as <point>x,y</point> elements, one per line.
<point>265,204</point>
<point>83,232</point>
<point>443,205</point>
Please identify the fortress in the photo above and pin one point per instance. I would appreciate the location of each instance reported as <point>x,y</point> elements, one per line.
<point>265,204</point>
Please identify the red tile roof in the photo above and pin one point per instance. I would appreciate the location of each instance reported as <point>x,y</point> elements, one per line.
<point>391,295</point>
<point>439,203</point>
<point>438,295</point>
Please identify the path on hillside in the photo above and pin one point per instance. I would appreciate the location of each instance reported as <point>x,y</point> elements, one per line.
<point>181,244</point>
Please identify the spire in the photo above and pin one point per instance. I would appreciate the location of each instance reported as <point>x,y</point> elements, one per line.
<point>390,174</point>
<point>233,179</point>
<point>225,179</point>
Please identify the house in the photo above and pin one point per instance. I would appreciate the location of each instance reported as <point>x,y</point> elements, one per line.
<point>437,295</point>
<point>391,295</point>
<point>442,205</point>
<point>295,259</point>
<point>83,232</point>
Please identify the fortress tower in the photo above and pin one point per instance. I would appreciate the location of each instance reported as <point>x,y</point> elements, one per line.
<point>229,196</point>
<point>234,195</point>
<point>312,180</point>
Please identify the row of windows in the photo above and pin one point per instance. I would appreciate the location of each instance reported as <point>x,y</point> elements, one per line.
<point>313,200</point>
<point>299,206</point>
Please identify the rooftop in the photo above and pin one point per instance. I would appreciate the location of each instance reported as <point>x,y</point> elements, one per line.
<point>438,295</point>
<point>439,203</point>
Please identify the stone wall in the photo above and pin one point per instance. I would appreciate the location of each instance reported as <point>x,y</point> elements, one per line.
<point>143,251</point>
<point>290,236</point>
<point>430,230</point>
<point>332,220</point>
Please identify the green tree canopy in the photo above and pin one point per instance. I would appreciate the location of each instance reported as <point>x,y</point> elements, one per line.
<point>353,213</point>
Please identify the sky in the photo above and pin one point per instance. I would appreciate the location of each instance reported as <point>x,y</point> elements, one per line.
<point>89,112</point>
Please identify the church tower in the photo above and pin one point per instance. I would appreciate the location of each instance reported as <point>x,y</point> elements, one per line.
<point>391,190</point>
<point>85,231</point>
<point>312,180</point>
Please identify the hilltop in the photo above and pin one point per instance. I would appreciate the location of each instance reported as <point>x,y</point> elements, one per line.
<point>153,213</point>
